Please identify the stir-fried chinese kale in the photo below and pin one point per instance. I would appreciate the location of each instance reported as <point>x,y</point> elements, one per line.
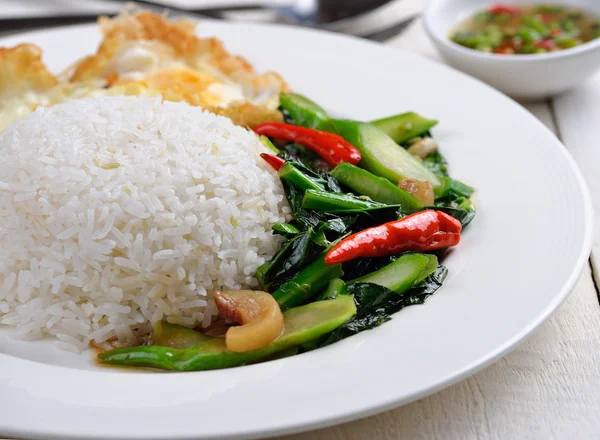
<point>374,211</point>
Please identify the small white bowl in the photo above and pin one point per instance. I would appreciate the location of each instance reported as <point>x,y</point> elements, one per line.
<point>520,76</point>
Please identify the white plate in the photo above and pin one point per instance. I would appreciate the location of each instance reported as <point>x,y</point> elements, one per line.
<point>517,262</point>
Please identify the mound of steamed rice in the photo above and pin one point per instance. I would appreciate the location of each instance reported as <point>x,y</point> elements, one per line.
<point>119,212</point>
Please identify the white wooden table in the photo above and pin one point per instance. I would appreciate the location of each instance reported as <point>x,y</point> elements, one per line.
<point>549,387</point>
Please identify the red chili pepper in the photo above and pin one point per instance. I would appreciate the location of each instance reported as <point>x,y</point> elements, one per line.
<point>548,18</point>
<point>423,231</point>
<point>545,44</point>
<point>276,162</point>
<point>503,9</point>
<point>506,48</point>
<point>555,32</point>
<point>331,147</point>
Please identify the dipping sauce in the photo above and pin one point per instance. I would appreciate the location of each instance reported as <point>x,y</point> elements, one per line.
<point>530,29</point>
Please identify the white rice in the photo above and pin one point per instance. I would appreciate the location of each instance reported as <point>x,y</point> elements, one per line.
<point>119,212</point>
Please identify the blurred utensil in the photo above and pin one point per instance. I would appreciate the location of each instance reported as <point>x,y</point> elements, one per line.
<point>373,19</point>
<point>376,20</point>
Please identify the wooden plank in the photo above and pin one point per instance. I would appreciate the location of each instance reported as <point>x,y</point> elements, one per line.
<point>577,114</point>
<point>543,112</point>
<point>414,39</point>
<point>548,388</point>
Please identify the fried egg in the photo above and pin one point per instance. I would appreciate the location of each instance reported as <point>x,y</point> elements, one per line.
<point>144,54</point>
